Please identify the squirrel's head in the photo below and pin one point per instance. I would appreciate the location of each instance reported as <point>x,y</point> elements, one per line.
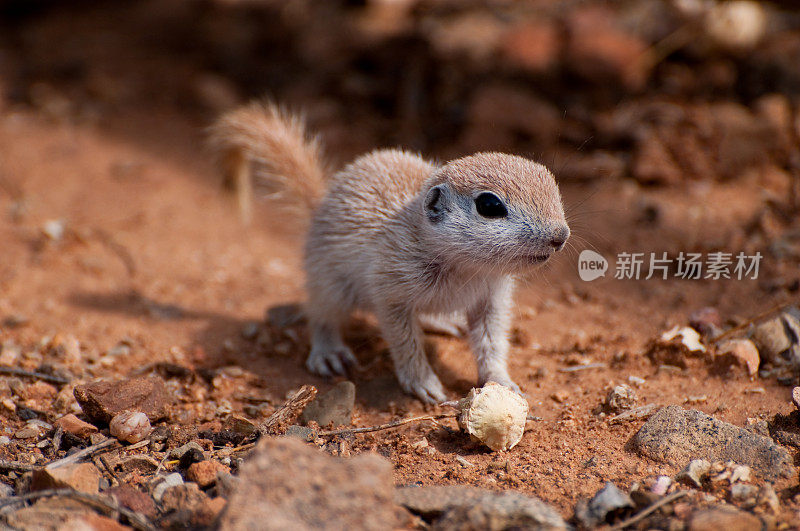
<point>498,211</point>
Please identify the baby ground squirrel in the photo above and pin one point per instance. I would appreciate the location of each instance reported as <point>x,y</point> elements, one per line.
<point>414,242</point>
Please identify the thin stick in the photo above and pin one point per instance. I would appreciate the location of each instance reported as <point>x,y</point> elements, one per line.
<point>577,368</point>
<point>747,323</point>
<point>242,448</point>
<point>16,466</point>
<point>57,440</point>
<point>386,426</point>
<point>277,422</point>
<point>136,520</point>
<point>650,509</point>
<point>86,452</point>
<point>16,371</point>
<point>161,464</point>
<point>635,413</point>
<point>118,249</point>
<point>108,467</point>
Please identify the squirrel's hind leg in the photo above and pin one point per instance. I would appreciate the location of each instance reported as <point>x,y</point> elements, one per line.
<point>329,354</point>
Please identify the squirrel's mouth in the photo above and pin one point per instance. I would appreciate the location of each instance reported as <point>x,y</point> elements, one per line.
<point>536,258</point>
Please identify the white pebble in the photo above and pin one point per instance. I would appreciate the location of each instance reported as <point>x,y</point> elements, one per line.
<point>130,426</point>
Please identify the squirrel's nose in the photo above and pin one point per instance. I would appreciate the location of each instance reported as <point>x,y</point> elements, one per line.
<point>559,238</point>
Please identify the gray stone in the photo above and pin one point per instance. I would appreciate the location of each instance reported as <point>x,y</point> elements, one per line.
<point>171,480</point>
<point>335,406</point>
<point>777,340</point>
<point>620,398</point>
<point>286,484</point>
<point>675,435</point>
<point>301,432</point>
<point>607,501</point>
<point>457,507</point>
<point>744,495</point>
<point>694,473</point>
<point>177,453</point>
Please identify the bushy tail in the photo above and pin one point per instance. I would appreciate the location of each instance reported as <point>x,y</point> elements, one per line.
<point>265,144</point>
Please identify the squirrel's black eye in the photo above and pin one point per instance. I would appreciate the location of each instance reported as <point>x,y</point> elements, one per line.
<point>490,206</point>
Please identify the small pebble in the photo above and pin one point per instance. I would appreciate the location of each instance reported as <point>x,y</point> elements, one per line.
<point>191,456</point>
<point>53,229</point>
<point>120,349</point>
<point>740,473</point>
<point>27,433</point>
<point>707,321</point>
<point>694,472</point>
<point>130,426</point>
<point>768,498</point>
<point>464,462</point>
<point>171,480</point>
<point>620,398</point>
<point>661,485</point>
<point>39,424</point>
<point>636,380</point>
<point>695,399</point>
<point>744,494</point>
<point>560,396</point>
<point>4,440</point>
<point>177,453</point>
<point>250,330</point>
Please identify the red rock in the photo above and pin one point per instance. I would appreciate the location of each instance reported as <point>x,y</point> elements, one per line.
<point>132,498</point>
<point>188,504</point>
<point>706,320</point>
<point>208,512</point>
<point>59,514</point>
<point>290,485</point>
<point>796,397</point>
<point>186,497</point>
<point>204,473</point>
<point>653,163</point>
<point>39,391</point>
<point>600,51</point>
<point>724,517</point>
<point>509,111</point>
<point>83,477</point>
<point>742,352</point>
<point>72,424</point>
<point>95,522</point>
<point>532,45</point>
<point>102,400</point>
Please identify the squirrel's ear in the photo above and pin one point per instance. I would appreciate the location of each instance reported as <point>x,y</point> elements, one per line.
<point>434,200</point>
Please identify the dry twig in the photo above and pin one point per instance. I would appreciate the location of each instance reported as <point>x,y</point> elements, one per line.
<point>277,422</point>
<point>386,426</point>
<point>17,466</point>
<point>746,324</point>
<point>59,433</point>
<point>650,509</point>
<point>635,413</point>
<point>86,452</point>
<point>578,368</point>
<point>51,378</point>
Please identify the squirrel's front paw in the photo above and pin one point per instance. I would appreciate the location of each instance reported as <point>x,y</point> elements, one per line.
<point>327,361</point>
<point>424,384</point>
<point>502,379</point>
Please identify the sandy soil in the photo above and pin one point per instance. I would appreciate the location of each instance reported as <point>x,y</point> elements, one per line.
<point>153,255</point>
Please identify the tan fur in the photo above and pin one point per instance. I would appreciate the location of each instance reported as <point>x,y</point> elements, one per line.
<point>401,237</point>
<point>274,143</point>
